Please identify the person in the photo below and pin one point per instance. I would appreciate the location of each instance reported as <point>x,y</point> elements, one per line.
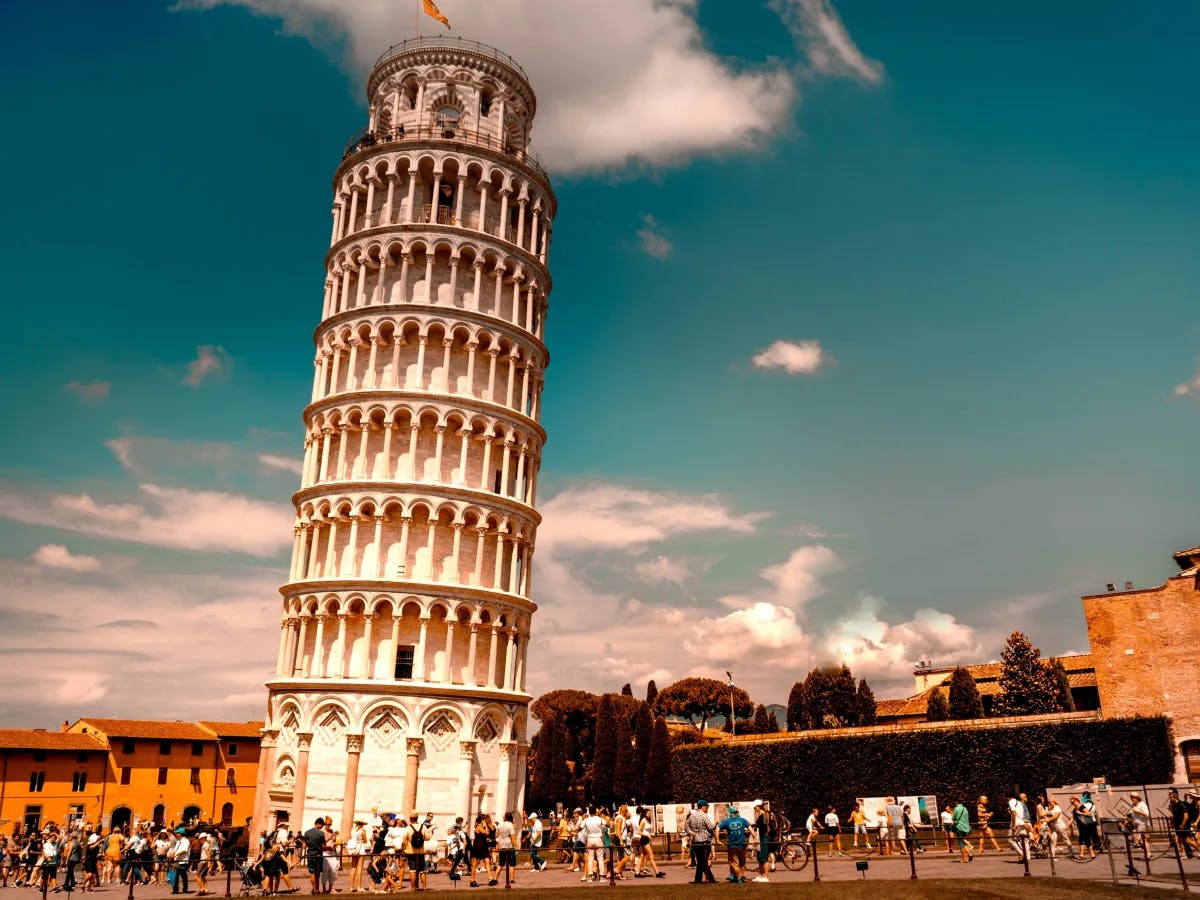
<point>480,855</point>
<point>1139,820</point>
<point>204,864</point>
<point>593,842</point>
<point>314,850</point>
<point>181,861</point>
<point>113,845</point>
<point>563,830</point>
<point>645,832</point>
<point>48,862</point>
<point>621,839</point>
<point>895,826</point>
<point>909,832</point>
<point>960,822</point>
<point>414,850</point>
<point>1059,826</point>
<point>812,827</point>
<point>1191,803</point>
<point>833,829</point>
<point>858,820</point>
<point>1018,826</point>
<point>577,844</point>
<point>357,846</point>
<point>91,862</point>
<point>947,819</point>
<point>73,857</point>
<point>736,831</point>
<point>762,828</point>
<point>983,817</point>
<point>700,830</point>
<point>456,846</point>
<point>536,833</point>
<point>506,843</point>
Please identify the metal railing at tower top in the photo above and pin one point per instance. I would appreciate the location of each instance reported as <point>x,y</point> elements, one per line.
<point>364,139</point>
<point>451,43</point>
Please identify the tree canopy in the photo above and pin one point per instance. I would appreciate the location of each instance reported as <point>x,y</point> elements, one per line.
<point>1026,685</point>
<point>938,708</point>
<point>965,702</point>
<point>700,699</point>
<point>830,698</point>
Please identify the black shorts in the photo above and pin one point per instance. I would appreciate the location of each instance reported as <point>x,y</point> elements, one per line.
<point>508,858</point>
<point>831,830</point>
<point>643,840</point>
<point>314,865</point>
<point>416,862</point>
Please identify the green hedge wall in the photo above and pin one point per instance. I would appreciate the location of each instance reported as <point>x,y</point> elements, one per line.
<point>957,763</point>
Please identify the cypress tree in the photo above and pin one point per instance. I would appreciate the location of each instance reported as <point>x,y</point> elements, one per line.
<point>866,703</point>
<point>1026,685</point>
<point>658,787</point>
<point>604,753</point>
<point>772,722</point>
<point>625,772</point>
<point>761,723</point>
<point>965,702</point>
<point>795,708</point>
<point>627,690</point>
<point>558,783</point>
<point>643,740</point>
<point>651,693</point>
<point>938,709</point>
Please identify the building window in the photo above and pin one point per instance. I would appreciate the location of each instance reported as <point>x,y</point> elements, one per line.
<point>127,746</point>
<point>162,775</point>
<point>126,773</point>
<point>195,780</point>
<point>76,814</point>
<point>1191,759</point>
<point>37,781</point>
<point>164,747</point>
<point>79,782</point>
<point>33,818</point>
<point>197,748</point>
<point>39,755</point>
<point>404,662</point>
<point>232,750</point>
<point>227,814</point>
<point>82,757</point>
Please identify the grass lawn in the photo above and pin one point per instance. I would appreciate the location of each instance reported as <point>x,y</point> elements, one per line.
<point>1000,888</point>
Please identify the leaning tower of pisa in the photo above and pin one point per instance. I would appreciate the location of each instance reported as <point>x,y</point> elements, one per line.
<point>400,682</point>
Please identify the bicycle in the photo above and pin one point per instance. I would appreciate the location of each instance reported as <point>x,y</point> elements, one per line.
<point>794,852</point>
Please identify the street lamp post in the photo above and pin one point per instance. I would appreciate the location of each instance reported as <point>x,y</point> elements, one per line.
<point>732,712</point>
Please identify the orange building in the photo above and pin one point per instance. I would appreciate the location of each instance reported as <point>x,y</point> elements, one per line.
<point>49,776</point>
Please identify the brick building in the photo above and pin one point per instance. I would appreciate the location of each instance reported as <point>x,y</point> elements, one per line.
<point>1144,643</point>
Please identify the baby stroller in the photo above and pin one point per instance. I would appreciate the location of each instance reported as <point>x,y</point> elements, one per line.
<point>252,879</point>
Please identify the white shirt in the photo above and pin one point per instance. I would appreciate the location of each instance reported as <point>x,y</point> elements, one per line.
<point>1017,808</point>
<point>831,820</point>
<point>535,833</point>
<point>282,836</point>
<point>811,824</point>
<point>182,851</point>
<point>395,837</point>
<point>1141,812</point>
<point>593,828</point>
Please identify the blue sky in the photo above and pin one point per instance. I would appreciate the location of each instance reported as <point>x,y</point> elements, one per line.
<point>985,217</point>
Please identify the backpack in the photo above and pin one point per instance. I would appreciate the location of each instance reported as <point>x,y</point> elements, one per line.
<point>418,838</point>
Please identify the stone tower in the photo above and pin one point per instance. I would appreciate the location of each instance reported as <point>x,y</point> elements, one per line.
<point>400,682</point>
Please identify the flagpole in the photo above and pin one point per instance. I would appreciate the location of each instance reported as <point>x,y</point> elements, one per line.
<point>417,17</point>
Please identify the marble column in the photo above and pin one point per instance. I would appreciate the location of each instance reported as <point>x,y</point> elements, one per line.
<point>354,744</point>
<point>412,763</point>
<point>304,738</point>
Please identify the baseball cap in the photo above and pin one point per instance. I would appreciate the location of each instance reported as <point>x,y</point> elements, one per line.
<point>701,803</point>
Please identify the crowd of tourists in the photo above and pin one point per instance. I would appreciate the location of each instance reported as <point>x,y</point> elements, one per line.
<point>88,856</point>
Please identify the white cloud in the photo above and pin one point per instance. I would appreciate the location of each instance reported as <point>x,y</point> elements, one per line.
<point>1189,388</point>
<point>653,242</point>
<point>210,362</point>
<point>282,463</point>
<point>664,569</point>
<point>820,32</point>
<point>620,82</point>
<point>617,517</point>
<point>89,391</point>
<point>163,517</point>
<point>56,556</point>
<point>794,357</point>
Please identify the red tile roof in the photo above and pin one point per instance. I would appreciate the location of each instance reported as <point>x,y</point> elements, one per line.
<point>40,739</point>
<point>147,728</point>
<point>235,729</point>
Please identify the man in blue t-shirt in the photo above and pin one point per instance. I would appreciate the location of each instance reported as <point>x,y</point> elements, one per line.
<point>737,835</point>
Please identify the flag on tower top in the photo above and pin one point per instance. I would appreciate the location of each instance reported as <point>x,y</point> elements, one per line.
<point>432,10</point>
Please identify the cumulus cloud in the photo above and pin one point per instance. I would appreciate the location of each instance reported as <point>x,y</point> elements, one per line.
<point>56,556</point>
<point>211,362</point>
<point>664,569</point>
<point>620,82</point>
<point>1189,388</point>
<point>793,357</point>
<point>280,463</point>
<point>653,242</point>
<point>89,391</point>
<point>161,516</point>
<point>820,32</point>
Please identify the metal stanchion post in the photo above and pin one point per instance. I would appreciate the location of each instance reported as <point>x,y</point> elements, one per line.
<point>912,856</point>
<point>1129,867</point>
<point>229,876</point>
<point>1146,850</point>
<point>812,846</point>
<point>1025,852</point>
<point>1179,862</point>
<point>1106,847</point>
<point>612,863</point>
